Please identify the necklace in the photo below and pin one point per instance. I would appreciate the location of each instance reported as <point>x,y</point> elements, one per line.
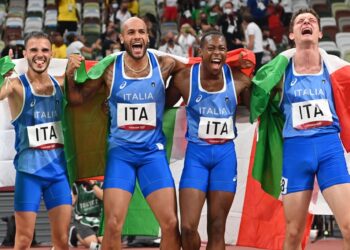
<point>136,71</point>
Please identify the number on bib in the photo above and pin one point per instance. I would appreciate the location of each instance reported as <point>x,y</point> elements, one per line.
<point>45,136</point>
<point>311,114</point>
<point>216,130</point>
<point>137,116</point>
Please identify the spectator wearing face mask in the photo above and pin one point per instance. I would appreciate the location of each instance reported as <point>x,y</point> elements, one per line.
<point>122,14</point>
<point>230,24</point>
<point>170,46</point>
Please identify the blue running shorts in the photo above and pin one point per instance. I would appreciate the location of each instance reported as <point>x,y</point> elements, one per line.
<point>304,157</point>
<point>210,167</point>
<point>30,187</point>
<point>150,167</point>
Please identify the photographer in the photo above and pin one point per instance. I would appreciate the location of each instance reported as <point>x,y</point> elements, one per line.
<point>87,201</point>
<point>187,39</point>
<point>170,46</point>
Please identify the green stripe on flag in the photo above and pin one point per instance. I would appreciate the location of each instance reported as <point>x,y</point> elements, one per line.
<point>267,167</point>
<point>6,65</point>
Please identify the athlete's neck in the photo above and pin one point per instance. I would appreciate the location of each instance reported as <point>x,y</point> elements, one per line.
<point>307,61</point>
<point>38,79</point>
<point>135,64</point>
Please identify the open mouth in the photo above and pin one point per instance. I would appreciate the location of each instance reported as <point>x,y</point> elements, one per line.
<point>137,47</point>
<point>306,31</point>
<point>39,61</point>
<point>216,63</point>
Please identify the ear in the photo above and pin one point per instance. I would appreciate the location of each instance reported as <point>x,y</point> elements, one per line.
<point>121,38</point>
<point>200,52</point>
<point>320,35</point>
<point>291,36</point>
<point>24,53</point>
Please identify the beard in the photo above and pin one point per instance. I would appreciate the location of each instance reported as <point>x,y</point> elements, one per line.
<point>128,49</point>
<point>31,65</point>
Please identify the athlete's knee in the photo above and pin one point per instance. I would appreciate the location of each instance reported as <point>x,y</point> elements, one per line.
<point>61,241</point>
<point>216,228</point>
<point>114,225</point>
<point>188,231</point>
<point>345,230</point>
<point>294,233</point>
<point>170,224</point>
<point>23,241</point>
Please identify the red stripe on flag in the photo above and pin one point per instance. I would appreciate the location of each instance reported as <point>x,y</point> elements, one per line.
<point>262,223</point>
<point>341,92</point>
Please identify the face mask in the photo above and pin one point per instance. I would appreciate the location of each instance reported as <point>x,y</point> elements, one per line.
<point>115,6</point>
<point>171,41</point>
<point>116,50</point>
<point>228,11</point>
<point>202,3</point>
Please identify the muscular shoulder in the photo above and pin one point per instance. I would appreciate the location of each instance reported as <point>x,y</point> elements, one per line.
<point>169,65</point>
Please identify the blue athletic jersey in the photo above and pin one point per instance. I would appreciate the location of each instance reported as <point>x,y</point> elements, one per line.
<point>307,104</point>
<point>136,107</point>
<point>211,115</point>
<point>39,138</point>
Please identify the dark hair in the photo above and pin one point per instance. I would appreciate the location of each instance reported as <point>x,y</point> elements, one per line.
<point>37,35</point>
<point>302,11</point>
<point>71,37</point>
<point>208,34</point>
<point>247,16</point>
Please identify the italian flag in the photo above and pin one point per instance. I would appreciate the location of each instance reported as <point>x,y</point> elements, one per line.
<point>268,160</point>
<point>255,219</point>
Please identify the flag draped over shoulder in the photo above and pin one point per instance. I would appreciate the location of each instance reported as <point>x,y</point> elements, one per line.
<point>265,106</point>
<point>85,129</point>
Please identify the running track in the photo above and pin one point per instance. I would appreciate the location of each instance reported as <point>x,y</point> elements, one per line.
<point>323,244</point>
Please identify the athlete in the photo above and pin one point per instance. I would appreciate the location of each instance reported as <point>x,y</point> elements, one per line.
<point>35,102</point>
<point>210,90</point>
<point>311,144</point>
<point>136,99</point>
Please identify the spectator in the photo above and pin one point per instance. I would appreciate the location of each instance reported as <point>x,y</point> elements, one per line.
<point>87,201</point>
<point>122,14</point>
<point>170,46</point>
<point>76,45</point>
<point>269,46</point>
<point>170,11</point>
<point>16,47</point>
<point>187,39</point>
<point>68,17</point>
<point>287,7</point>
<point>230,24</point>
<point>258,9</point>
<point>253,38</point>
<point>134,7</point>
<point>59,48</point>
<point>111,38</point>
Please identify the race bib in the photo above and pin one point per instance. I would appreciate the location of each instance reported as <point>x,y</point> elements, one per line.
<point>137,116</point>
<point>311,114</point>
<point>216,130</point>
<point>45,136</point>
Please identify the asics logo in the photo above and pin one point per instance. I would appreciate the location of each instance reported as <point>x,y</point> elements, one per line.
<point>122,85</point>
<point>32,104</point>
<point>199,98</point>
<point>292,83</point>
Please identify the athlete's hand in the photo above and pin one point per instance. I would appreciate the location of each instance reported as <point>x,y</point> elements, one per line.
<point>244,63</point>
<point>74,62</point>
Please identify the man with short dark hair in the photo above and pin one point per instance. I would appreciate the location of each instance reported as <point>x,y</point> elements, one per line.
<point>35,101</point>
<point>210,90</point>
